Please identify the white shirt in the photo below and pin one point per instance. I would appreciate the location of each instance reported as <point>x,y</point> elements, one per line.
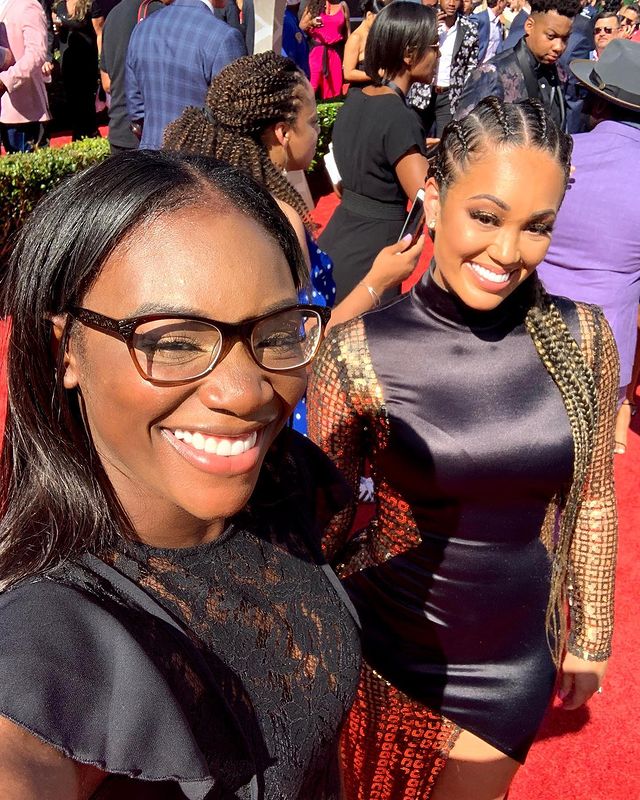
<point>209,5</point>
<point>495,34</point>
<point>447,38</point>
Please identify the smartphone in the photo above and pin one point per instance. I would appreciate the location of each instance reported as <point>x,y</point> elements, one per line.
<point>414,222</point>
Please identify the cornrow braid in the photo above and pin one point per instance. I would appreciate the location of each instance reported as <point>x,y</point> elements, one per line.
<point>244,99</point>
<point>494,124</point>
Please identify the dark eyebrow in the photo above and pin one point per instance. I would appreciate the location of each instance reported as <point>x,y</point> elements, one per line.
<point>500,203</point>
<point>169,308</point>
<point>548,212</point>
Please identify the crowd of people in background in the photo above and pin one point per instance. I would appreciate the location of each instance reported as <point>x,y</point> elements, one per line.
<point>492,48</point>
<point>176,507</point>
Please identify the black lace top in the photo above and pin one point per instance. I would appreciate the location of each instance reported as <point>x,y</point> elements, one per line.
<point>280,649</point>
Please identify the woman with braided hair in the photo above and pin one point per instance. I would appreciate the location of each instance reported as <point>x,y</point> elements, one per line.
<point>486,410</point>
<point>260,115</point>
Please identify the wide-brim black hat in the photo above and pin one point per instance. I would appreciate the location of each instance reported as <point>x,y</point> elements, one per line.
<point>616,76</point>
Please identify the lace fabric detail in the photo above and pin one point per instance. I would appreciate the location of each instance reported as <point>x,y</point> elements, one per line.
<point>280,642</point>
<point>394,747</point>
<point>594,547</point>
<point>348,420</point>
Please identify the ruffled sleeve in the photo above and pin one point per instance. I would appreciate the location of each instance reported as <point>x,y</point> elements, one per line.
<point>80,678</point>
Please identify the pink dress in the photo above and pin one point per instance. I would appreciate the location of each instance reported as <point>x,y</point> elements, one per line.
<point>324,60</point>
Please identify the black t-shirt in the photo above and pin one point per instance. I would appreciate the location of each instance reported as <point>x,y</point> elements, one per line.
<point>370,135</point>
<point>115,41</point>
<point>101,8</point>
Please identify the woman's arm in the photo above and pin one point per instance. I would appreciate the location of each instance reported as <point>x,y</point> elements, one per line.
<point>33,770</point>
<point>338,422</point>
<point>393,265</point>
<point>347,18</point>
<point>350,61</point>
<point>594,546</point>
<point>411,170</point>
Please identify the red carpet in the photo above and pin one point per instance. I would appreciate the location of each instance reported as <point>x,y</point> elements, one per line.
<point>591,753</point>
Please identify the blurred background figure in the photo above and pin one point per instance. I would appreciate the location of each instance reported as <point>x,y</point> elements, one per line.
<point>379,144</point>
<point>528,70</point>
<point>171,60</point>
<point>458,41</point>
<point>115,41</point>
<point>78,64</point>
<point>23,96</point>
<point>330,31</point>
<point>353,61</point>
<point>606,27</point>
<point>490,28</point>
<point>595,249</point>
<point>516,29</point>
<point>629,19</point>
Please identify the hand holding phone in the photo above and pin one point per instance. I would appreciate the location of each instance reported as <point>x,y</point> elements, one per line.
<point>414,222</point>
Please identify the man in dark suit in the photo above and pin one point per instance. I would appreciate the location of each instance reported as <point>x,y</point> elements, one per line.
<point>458,41</point>
<point>579,46</point>
<point>490,29</point>
<point>529,70</point>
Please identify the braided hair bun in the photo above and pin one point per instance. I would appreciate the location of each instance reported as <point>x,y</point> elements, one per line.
<point>244,99</point>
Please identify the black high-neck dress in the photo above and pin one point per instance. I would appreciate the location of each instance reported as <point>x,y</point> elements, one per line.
<point>469,443</point>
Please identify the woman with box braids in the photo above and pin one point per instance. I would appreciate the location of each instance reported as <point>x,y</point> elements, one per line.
<point>486,410</point>
<point>260,115</point>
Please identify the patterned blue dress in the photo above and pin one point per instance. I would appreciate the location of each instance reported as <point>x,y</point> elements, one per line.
<point>321,291</point>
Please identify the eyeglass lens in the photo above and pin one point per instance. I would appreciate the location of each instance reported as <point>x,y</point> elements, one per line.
<point>607,30</point>
<point>181,349</point>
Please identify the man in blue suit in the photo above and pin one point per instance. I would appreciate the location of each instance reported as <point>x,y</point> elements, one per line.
<point>516,31</point>
<point>490,29</point>
<point>172,58</point>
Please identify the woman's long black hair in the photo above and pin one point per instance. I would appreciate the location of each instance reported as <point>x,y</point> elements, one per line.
<point>55,498</point>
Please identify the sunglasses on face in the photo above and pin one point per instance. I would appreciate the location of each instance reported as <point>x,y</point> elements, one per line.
<point>606,30</point>
<point>627,22</point>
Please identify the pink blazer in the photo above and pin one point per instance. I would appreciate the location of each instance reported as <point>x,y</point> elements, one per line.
<point>23,30</point>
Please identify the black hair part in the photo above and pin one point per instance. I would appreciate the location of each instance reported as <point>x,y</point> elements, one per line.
<point>400,29</point>
<point>565,8</point>
<point>55,498</point>
<point>371,6</point>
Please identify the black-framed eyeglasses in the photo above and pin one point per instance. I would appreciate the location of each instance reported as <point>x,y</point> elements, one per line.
<point>174,349</point>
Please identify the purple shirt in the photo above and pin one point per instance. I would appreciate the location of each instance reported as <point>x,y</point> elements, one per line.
<point>595,251</point>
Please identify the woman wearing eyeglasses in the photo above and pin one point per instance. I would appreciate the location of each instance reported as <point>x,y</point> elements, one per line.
<point>168,627</point>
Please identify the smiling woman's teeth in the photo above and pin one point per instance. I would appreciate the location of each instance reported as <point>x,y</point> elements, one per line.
<point>485,273</point>
<point>217,444</point>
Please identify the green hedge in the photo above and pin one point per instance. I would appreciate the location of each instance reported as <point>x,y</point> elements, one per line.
<point>25,177</point>
<point>326,117</point>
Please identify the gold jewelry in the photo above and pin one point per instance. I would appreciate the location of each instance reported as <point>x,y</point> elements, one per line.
<point>374,295</point>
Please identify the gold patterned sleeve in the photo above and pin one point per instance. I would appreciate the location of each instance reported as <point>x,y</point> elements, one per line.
<point>336,420</point>
<point>593,553</point>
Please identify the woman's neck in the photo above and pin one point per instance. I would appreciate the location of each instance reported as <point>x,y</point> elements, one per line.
<point>402,81</point>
